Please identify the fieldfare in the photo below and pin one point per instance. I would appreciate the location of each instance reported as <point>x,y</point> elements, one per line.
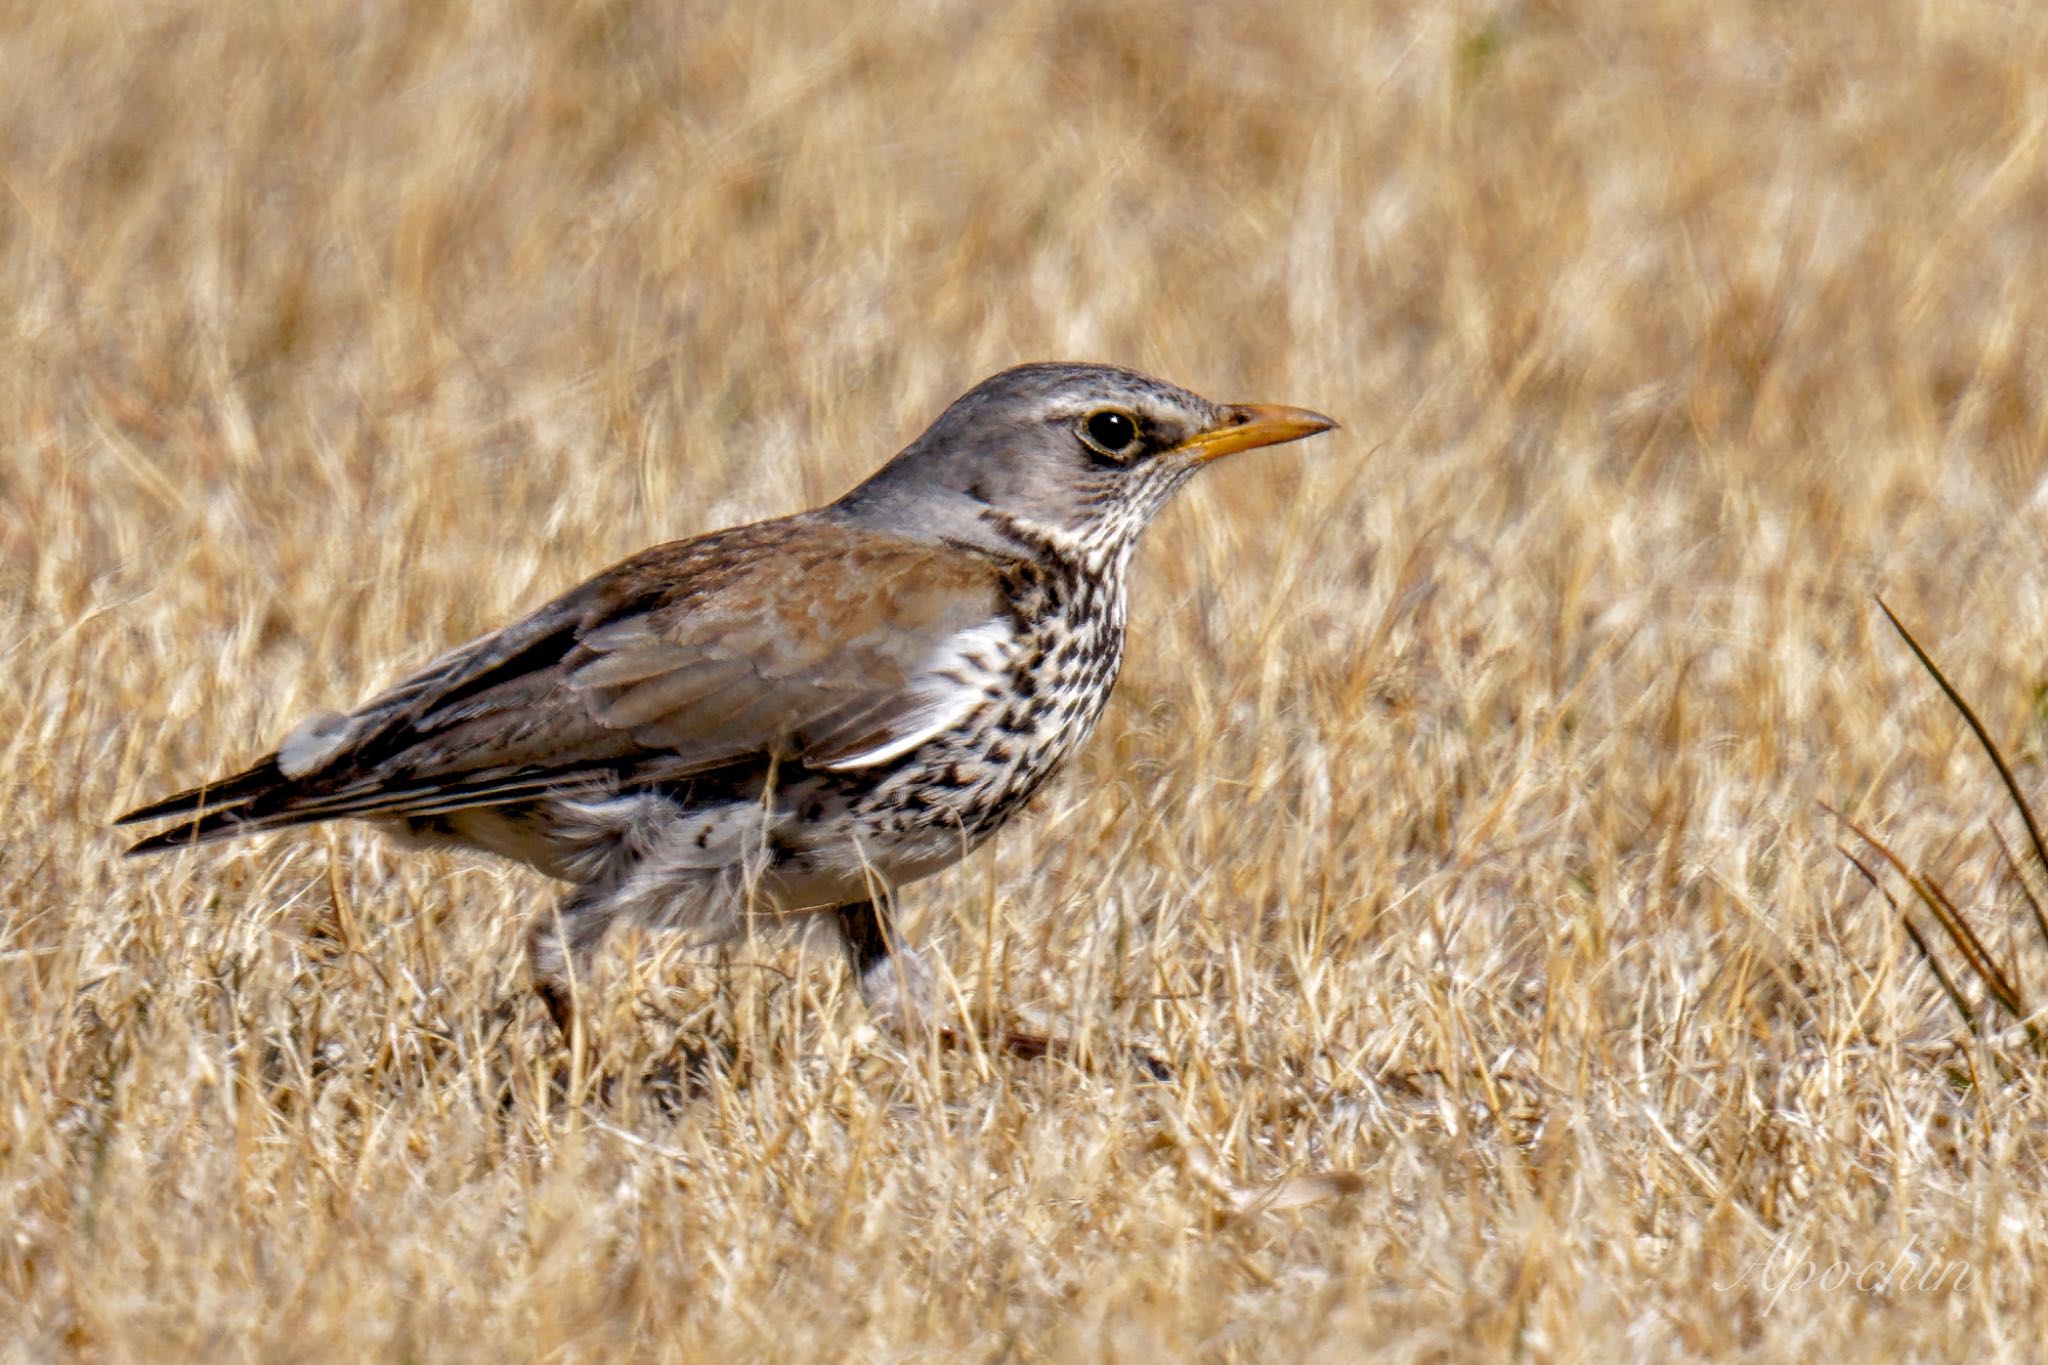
<point>793,717</point>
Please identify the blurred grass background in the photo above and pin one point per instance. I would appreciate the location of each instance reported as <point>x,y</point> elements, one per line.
<point>1455,830</point>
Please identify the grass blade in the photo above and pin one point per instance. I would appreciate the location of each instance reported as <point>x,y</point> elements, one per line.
<point>2012,786</point>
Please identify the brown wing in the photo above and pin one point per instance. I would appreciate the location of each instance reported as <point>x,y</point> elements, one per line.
<point>797,638</point>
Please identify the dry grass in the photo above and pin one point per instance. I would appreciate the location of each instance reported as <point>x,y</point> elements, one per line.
<point>1456,831</point>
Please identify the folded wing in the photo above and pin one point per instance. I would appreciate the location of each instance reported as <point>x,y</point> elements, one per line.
<point>796,640</point>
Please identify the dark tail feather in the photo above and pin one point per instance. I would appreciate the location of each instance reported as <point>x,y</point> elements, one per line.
<point>219,810</point>
<point>263,798</point>
<point>233,791</point>
<point>257,800</point>
<point>215,825</point>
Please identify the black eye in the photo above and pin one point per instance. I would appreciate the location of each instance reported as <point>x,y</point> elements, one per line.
<point>1110,431</point>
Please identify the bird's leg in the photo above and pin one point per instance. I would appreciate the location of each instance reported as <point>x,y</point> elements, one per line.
<point>554,992</point>
<point>895,984</point>
<point>900,993</point>
<point>559,947</point>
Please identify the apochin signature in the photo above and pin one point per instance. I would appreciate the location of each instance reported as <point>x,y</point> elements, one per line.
<point>1782,1267</point>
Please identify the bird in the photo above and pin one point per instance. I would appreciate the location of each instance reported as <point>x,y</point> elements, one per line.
<point>784,720</point>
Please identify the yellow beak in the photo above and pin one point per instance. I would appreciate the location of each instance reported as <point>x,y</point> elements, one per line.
<point>1247,426</point>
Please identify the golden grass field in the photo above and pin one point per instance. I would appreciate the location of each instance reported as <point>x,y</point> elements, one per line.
<point>1457,832</point>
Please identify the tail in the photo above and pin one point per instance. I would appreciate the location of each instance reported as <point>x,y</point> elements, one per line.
<point>220,810</point>
<point>265,798</point>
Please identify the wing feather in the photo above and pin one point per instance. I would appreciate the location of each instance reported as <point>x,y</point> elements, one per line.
<point>803,640</point>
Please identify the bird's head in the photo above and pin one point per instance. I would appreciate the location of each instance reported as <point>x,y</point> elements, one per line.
<point>1084,455</point>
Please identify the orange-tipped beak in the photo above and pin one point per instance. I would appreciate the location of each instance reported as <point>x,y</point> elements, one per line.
<point>1248,426</point>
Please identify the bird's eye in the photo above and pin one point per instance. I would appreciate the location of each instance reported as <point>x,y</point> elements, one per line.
<point>1110,432</point>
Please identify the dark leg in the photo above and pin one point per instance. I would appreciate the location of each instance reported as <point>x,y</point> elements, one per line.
<point>561,1004</point>
<point>884,966</point>
<point>894,981</point>
<point>559,938</point>
<point>864,931</point>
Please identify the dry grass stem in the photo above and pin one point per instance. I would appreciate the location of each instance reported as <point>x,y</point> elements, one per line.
<point>1456,834</point>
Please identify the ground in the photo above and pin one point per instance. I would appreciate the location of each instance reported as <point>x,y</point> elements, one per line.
<point>1460,833</point>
